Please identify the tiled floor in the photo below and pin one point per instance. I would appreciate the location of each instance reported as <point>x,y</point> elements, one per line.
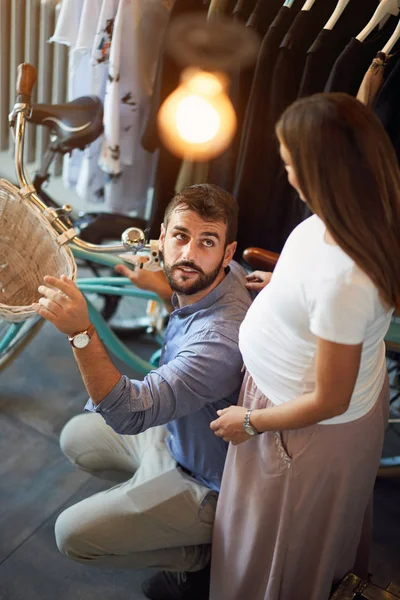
<point>39,392</point>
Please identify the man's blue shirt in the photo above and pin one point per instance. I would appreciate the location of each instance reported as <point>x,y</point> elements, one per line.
<point>199,373</point>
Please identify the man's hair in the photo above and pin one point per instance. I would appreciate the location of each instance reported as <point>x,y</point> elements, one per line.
<point>211,203</point>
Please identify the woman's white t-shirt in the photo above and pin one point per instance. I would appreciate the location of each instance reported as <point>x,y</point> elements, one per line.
<point>316,291</point>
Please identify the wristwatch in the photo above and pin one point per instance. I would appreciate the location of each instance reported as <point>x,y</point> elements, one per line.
<point>249,429</point>
<point>82,338</point>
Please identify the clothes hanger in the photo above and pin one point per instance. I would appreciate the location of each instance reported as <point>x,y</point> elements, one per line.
<point>334,18</point>
<point>309,3</point>
<point>393,39</point>
<point>385,8</point>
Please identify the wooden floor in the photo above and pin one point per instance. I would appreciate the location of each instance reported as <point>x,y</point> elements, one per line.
<point>39,392</point>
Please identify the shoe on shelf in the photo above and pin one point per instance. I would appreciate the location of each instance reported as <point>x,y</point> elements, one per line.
<point>168,585</point>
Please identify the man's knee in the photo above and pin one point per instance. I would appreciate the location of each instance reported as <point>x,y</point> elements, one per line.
<point>75,437</point>
<point>69,537</point>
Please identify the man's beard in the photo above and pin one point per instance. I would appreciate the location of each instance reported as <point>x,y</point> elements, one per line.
<point>202,282</point>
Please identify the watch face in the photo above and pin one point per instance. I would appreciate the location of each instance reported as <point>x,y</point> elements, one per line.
<point>81,340</point>
<point>250,430</point>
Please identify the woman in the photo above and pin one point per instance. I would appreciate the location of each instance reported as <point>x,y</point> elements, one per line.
<point>294,511</point>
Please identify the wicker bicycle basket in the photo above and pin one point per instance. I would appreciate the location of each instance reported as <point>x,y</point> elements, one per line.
<point>28,251</point>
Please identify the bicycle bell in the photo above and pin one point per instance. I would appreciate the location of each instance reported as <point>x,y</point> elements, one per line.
<point>134,239</point>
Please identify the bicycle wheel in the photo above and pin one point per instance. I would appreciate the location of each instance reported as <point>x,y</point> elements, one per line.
<point>14,337</point>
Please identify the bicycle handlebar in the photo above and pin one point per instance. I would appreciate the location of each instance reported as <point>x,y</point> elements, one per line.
<point>132,239</point>
<point>26,79</point>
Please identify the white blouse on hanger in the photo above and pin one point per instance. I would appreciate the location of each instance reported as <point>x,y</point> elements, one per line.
<point>114,51</point>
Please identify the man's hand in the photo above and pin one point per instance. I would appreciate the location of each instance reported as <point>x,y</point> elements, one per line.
<point>152,281</point>
<point>257,280</point>
<point>63,305</point>
<point>229,425</point>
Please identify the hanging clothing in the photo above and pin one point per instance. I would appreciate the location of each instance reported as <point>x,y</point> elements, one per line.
<point>293,54</point>
<point>192,173</point>
<point>286,209</point>
<point>222,169</point>
<point>242,10</point>
<point>258,104</point>
<point>258,135</point>
<point>95,29</point>
<point>137,31</point>
<point>219,8</point>
<point>91,185</point>
<point>320,58</point>
<point>73,23</point>
<point>283,211</point>
<point>351,66</point>
<point>67,25</point>
<point>262,16</point>
<point>168,165</point>
<point>373,80</point>
<point>388,100</point>
<point>279,217</point>
<point>330,43</point>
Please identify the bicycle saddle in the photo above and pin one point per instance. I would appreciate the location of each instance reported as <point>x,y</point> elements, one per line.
<point>75,124</point>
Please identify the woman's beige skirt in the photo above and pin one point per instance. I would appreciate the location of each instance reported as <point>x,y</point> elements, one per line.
<point>295,510</point>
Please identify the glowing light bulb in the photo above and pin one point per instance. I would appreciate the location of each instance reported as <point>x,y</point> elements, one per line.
<point>197,120</point>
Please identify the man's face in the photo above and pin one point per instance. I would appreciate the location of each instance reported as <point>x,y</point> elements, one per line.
<point>194,251</point>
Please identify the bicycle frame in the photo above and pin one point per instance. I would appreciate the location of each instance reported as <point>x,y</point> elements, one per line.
<point>105,255</point>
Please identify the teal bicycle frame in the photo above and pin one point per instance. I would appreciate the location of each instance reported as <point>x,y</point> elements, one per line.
<point>132,239</point>
<point>116,286</point>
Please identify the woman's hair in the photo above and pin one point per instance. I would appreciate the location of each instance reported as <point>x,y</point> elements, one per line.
<point>348,172</point>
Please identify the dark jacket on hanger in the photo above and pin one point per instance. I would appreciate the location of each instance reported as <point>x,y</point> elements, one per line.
<point>258,134</point>
<point>274,222</point>
<point>243,10</point>
<point>167,79</point>
<point>330,43</point>
<point>352,64</point>
<point>222,169</point>
<point>285,207</point>
<point>293,54</point>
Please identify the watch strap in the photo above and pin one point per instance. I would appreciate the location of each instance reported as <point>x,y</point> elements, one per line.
<point>246,421</point>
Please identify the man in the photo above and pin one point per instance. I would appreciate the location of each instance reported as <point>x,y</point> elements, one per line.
<point>160,447</point>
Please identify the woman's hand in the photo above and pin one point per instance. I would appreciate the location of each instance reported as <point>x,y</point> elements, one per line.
<point>229,425</point>
<point>257,280</point>
<point>63,305</point>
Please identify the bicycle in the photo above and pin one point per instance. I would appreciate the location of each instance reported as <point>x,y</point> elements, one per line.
<point>73,126</point>
<point>15,336</point>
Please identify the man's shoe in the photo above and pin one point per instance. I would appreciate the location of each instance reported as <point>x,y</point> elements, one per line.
<point>167,585</point>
